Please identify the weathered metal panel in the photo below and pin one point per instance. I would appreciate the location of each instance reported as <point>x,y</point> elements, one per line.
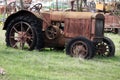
<point>46,20</point>
<point>92,29</point>
<point>57,16</point>
<point>77,27</point>
<point>58,42</point>
<point>60,16</point>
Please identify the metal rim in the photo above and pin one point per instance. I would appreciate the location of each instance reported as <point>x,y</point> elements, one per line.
<point>104,49</point>
<point>79,49</point>
<point>21,35</point>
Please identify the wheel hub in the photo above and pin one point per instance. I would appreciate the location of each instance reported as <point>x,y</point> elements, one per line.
<point>102,49</point>
<point>79,49</point>
<point>22,37</point>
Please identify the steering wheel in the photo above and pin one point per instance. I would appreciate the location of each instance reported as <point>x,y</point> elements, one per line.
<point>36,7</point>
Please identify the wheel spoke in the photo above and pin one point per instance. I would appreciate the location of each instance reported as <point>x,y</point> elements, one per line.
<point>22,45</point>
<point>53,35</point>
<point>107,51</point>
<point>14,37</point>
<point>76,50</point>
<point>27,30</point>
<point>16,30</point>
<point>21,24</point>
<point>49,31</point>
<point>30,38</point>
<point>83,49</point>
<point>15,45</point>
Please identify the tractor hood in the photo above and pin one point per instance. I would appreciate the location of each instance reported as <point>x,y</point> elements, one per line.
<point>60,16</point>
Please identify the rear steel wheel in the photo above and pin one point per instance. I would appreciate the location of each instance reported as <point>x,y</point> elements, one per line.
<point>21,35</point>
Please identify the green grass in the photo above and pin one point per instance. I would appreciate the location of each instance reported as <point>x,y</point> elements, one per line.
<point>54,65</point>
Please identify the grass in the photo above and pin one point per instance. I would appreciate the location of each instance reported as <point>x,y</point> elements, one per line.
<point>54,65</point>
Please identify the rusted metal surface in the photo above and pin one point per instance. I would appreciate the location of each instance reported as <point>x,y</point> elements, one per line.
<point>21,37</point>
<point>46,20</point>
<point>77,27</point>
<point>79,49</point>
<point>112,21</point>
<point>64,16</point>
<point>60,16</point>
<point>74,24</point>
<point>53,29</point>
<point>81,26</point>
<point>58,42</point>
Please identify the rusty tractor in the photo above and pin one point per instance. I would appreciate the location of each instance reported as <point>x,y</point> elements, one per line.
<point>81,34</point>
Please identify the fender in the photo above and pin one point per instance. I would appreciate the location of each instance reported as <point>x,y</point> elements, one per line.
<point>21,12</point>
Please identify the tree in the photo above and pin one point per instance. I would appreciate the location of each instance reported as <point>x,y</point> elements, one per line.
<point>79,4</point>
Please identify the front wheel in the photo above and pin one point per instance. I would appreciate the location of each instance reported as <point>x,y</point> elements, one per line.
<point>80,47</point>
<point>106,47</point>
